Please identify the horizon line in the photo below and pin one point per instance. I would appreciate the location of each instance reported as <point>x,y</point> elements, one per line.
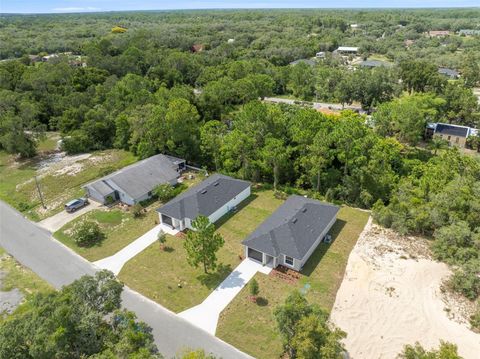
<point>98,11</point>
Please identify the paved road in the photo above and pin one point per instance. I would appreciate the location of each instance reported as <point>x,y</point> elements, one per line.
<point>33,247</point>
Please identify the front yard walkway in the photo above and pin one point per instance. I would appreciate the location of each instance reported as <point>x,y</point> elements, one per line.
<point>205,315</point>
<point>57,221</point>
<point>117,261</point>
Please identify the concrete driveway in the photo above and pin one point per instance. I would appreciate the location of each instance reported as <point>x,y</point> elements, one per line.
<point>206,314</point>
<point>57,221</point>
<point>116,262</point>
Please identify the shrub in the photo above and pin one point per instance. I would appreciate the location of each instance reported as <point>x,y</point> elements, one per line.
<point>164,192</point>
<point>109,200</point>
<point>467,280</point>
<point>253,287</point>
<point>475,319</point>
<point>118,30</point>
<point>162,239</point>
<point>87,234</point>
<point>137,210</point>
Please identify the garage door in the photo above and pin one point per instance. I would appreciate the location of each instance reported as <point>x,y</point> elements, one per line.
<point>252,253</point>
<point>167,220</point>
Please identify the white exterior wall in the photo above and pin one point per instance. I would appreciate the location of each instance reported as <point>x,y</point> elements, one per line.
<point>219,213</point>
<point>125,198</point>
<point>92,194</point>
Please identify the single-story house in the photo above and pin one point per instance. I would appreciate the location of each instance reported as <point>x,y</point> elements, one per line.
<point>135,183</point>
<point>347,50</point>
<point>450,73</point>
<point>469,32</point>
<point>455,135</point>
<point>439,33</point>
<point>292,233</point>
<point>212,198</point>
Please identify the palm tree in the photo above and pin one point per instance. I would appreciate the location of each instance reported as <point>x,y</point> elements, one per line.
<point>437,144</point>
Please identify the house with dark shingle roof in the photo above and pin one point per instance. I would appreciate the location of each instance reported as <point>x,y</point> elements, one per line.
<point>135,183</point>
<point>455,135</point>
<point>212,198</point>
<point>292,233</point>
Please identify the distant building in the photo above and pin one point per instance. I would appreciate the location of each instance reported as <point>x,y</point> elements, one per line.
<point>354,26</point>
<point>450,73</point>
<point>408,43</point>
<point>320,55</point>
<point>230,41</point>
<point>439,33</point>
<point>374,63</point>
<point>455,135</point>
<point>469,32</point>
<point>347,50</point>
<point>50,57</point>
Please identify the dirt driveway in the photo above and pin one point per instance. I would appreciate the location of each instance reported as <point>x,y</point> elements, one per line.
<point>57,221</point>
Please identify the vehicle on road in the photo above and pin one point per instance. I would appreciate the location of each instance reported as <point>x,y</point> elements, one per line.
<point>76,204</point>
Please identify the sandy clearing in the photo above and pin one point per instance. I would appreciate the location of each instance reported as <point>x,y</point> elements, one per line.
<point>391,296</point>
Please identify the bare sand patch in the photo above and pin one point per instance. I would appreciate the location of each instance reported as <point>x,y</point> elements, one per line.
<point>391,296</point>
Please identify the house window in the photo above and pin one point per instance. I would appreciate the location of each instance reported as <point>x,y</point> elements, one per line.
<point>289,260</point>
<point>449,137</point>
<point>457,139</point>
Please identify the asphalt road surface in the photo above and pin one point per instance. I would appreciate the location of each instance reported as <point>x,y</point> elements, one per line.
<point>34,247</point>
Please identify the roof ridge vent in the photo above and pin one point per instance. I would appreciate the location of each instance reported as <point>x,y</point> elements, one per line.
<point>203,191</point>
<point>294,220</point>
<point>304,209</point>
<point>216,184</point>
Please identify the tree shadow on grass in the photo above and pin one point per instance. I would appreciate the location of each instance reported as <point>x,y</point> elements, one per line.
<point>322,248</point>
<point>212,280</point>
<point>168,249</point>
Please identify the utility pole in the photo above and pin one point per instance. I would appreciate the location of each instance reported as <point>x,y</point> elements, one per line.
<point>40,192</point>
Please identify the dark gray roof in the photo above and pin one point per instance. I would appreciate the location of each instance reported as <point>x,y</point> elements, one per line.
<point>293,228</point>
<point>448,72</point>
<point>454,130</point>
<point>205,198</point>
<point>140,178</point>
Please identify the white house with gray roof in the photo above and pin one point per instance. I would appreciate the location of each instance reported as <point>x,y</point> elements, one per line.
<point>212,198</point>
<point>292,233</point>
<point>135,183</point>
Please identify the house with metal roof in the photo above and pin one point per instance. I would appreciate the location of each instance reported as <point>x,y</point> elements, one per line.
<point>450,73</point>
<point>292,233</point>
<point>212,198</point>
<point>347,50</point>
<point>374,63</point>
<point>135,183</point>
<point>455,135</point>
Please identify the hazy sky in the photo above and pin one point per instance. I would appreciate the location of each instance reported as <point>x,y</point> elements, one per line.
<point>59,6</point>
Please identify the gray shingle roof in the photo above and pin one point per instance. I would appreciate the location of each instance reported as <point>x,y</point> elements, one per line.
<point>448,72</point>
<point>293,228</point>
<point>205,198</point>
<point>374,63</point>
<point>140,178</point>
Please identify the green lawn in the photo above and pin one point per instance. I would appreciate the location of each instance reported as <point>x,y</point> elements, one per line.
<point>17,276</point>
<point>157,274</point>
<point>63,183</point>
<point>251,327</point>
<point>120,228</point>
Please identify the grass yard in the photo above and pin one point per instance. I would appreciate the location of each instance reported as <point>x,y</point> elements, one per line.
<point>252,328</point>
<point>157,274</point>
<point>14,275</point>
<point>60,179</point>
<point>119,227</point>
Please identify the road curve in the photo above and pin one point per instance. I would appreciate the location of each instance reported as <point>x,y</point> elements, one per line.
<point>35,248</point>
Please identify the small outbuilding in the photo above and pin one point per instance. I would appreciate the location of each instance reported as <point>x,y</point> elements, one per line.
<point>135,183</point>
<point>292,233</point>
<point>212,198</point>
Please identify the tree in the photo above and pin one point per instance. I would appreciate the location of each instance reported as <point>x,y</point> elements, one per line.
<point>301,81</point>
<point>137,210</point>
<point>81,320</point>
<point>305,330</point>
<point>421,76</point>
<point>211,140</point>
<point>275,154</point>
<point>164,192</point>
<point>254,289</point>
<point>202,244</point>
<point>87,234</point>
<point>446,351</point>
<point>437,144</point>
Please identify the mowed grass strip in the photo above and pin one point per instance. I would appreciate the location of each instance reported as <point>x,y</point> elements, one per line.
<point>119,227</point>
<point>14,275</point>
<point>252,328</point>
<point>166,277</point>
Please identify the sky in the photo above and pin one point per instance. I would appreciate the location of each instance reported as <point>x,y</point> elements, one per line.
<point>65,6</point>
